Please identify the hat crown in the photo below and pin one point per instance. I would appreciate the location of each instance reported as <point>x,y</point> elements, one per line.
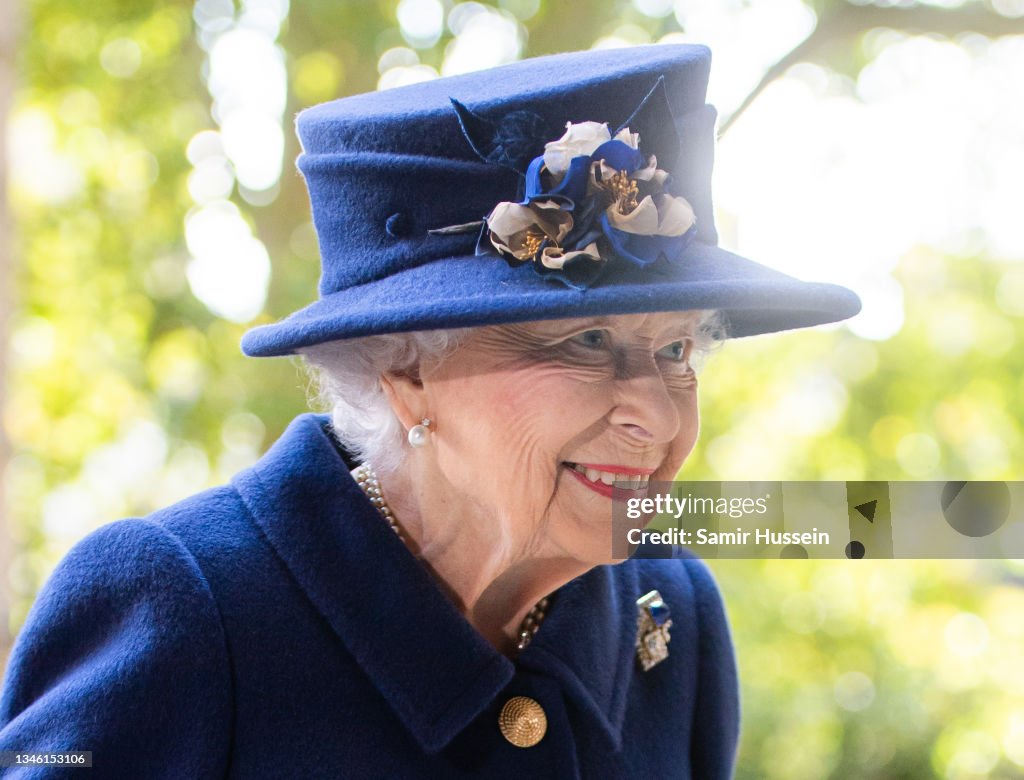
<point>559,87</point>
<point>385,168</point>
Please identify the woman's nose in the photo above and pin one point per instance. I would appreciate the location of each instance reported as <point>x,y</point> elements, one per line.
<point>644,408</point>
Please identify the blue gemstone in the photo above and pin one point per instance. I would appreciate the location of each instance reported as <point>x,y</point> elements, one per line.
<point>659,612</point>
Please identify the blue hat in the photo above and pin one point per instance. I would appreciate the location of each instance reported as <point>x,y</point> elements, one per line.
<point>570,185</point>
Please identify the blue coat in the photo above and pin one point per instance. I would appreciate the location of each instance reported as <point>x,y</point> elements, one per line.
<point>276,627</point>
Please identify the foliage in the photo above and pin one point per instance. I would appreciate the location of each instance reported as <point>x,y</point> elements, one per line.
<point>877,669</point>
<point>849,670</point>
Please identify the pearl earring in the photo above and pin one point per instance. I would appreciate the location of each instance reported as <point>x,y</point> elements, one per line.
<point>419,434</point>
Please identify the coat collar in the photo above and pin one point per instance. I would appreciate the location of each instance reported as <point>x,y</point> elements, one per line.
<point>393,617</point>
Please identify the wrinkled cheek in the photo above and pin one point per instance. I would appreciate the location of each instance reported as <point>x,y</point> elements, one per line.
<point>683,444</point>
<point>527,477</point>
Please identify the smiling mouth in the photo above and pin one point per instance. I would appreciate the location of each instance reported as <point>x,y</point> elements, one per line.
<point>604,481</point>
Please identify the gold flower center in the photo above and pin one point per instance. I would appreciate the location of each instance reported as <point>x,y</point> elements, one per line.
<point>624,192</point>
<point>532,240</point>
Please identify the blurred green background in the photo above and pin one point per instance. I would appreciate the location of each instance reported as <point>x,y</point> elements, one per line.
<point>153,214</point>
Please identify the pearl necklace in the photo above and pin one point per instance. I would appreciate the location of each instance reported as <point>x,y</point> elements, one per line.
<point>366,478</point>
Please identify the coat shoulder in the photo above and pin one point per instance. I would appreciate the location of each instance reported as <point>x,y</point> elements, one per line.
<point>105,638</point>
<point>209,522</point>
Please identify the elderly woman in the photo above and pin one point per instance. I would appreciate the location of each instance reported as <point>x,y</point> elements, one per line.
<point>518,267</point>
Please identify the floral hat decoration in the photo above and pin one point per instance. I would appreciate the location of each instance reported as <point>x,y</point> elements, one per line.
<point>570,185</point>
<point>591,197</point>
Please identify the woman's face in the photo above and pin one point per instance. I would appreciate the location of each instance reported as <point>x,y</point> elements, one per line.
<point>532,419</point>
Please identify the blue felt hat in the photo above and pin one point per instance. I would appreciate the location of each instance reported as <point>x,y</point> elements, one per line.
<point>466,201</point>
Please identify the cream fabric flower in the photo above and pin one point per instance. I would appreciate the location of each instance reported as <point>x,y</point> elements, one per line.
<point>554,257</point>
<point>601,171</point>
<point>580,139</point>
<point>517,230</point>
<point>657,215</point>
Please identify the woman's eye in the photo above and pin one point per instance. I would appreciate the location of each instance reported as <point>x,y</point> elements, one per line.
<point>590,338</point>
<point>677,351</point>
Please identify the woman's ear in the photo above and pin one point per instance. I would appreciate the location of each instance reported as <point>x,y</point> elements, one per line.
<point>406,395</point>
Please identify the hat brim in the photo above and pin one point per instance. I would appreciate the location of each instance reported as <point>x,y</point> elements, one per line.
<point>468,291</point>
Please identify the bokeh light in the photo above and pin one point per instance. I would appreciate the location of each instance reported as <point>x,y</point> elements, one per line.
<point>150,177</point>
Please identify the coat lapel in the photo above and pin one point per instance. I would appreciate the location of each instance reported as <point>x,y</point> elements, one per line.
<point>434,669</point>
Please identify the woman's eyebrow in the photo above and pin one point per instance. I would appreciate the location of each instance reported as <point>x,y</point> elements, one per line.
<point>683,328</point>
<point>571,325</point>
<point>679,331</point>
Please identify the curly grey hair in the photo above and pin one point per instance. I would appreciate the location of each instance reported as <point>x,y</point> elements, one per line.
<point>345,381</point>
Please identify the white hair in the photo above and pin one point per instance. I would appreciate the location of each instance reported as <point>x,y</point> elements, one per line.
<point>345,381</point>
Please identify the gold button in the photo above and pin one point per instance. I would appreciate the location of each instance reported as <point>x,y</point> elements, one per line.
<point>522,721</point>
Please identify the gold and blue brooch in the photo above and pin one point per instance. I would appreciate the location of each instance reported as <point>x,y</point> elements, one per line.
<point>652,624</point>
